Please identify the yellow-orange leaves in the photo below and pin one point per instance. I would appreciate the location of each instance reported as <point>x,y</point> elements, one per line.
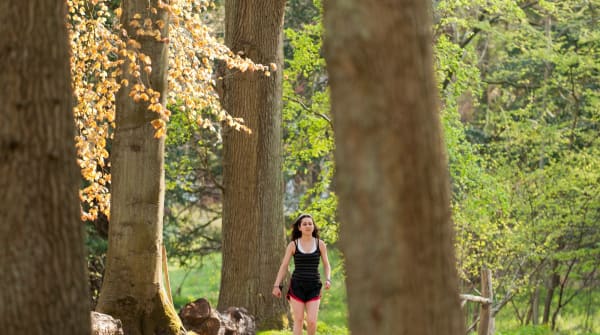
<point>94,69</point>
<point>102,50</point>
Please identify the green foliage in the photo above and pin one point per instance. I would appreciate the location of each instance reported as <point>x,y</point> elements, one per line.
<point>519,84</point>
<point>192,197</point>
<point>325,329</point>
<point>308,131</point>
<point>95,244</point>
<point>299,12</point>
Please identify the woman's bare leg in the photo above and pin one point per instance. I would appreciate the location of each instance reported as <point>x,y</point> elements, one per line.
<point>298,315</point>
<point>312,311</point>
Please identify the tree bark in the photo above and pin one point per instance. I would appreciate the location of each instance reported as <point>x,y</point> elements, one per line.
<point>253,228</point>
<point>42,256</point>
<point>392,178</point>
<point>132,290</point>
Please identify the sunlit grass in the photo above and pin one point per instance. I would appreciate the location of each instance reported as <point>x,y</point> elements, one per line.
<point>322,329</point>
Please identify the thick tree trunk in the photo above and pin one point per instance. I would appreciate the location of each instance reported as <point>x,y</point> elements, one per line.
<point>392,177</point>
<point>43,282</point>
<point>132,290</point>
<point>253,228</point>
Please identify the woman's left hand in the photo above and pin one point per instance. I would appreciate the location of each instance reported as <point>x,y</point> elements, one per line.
<point>276,291</point>
<point>327,284</point>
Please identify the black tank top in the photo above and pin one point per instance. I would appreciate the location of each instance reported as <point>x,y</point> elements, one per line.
<point>306,266</point>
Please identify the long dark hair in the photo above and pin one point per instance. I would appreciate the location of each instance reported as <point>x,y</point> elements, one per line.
<point>296,233</point>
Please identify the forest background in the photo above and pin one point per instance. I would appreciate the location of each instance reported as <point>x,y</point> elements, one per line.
<point>518,82</point>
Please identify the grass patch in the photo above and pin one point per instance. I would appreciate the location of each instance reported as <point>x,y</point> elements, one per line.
<point>580,317</point>
<point>201,281</point>
<point>528,330</point>
<point>322,329</point>
<point>542,330</point>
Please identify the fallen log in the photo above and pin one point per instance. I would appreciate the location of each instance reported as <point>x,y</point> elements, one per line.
<point>199,317</point>
<point>475,298</point>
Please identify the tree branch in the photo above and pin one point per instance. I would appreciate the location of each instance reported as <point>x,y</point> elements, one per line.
<point>308,109</point>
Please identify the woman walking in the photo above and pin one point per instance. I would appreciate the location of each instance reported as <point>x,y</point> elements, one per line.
<point>304,292</point>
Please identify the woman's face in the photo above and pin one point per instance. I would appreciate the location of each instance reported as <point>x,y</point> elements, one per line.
<point>306,225</point>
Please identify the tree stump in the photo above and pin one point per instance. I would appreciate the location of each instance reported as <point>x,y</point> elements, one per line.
<point>103,324</point>
<point>197,316</point>
<point>200,318</point>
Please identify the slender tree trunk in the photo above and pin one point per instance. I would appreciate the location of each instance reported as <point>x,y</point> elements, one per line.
<point>562,284</point>
<point>253,228</point>
<point>553,283</point>
<point>534,308</point>
<point>132,290</point>
<point>486,317</point>
<point>42,256</point>
<point>392,177</point>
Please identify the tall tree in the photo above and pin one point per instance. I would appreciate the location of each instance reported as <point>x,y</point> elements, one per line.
<point>392,180</point>
<point>132,290</point>
<point>42,254</point>
<point>253,230</point>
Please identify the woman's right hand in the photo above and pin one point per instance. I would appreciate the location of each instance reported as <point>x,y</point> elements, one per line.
<point>277,291</point>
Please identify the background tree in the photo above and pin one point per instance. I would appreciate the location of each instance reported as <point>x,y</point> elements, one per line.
<point>392,181</point>
<point>132,289</point>
<point>253,232</point>
<point>42,255</point>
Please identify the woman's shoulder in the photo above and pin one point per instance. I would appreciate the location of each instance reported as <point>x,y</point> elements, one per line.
<point>322,244</point>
